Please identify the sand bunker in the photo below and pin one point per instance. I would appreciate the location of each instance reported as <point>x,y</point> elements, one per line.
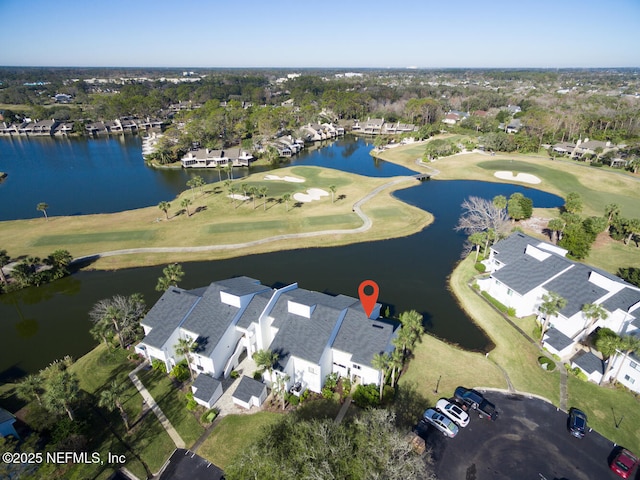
<point>311,195</point>
<point>520,177</point>
<point>235,196</point>
<point>286,178</point>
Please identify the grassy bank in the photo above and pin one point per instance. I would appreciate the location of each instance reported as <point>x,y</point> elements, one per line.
<point>597,187</point>
<point>517,355</point>
<point>216,219</point>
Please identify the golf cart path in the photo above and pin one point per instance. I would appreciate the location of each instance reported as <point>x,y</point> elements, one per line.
<point>367,223</point>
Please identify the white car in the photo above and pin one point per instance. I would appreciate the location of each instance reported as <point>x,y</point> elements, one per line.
<point>453,411</point>
<point>442,423</point>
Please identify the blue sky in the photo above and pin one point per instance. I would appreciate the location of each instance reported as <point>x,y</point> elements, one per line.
<point>329,33</point>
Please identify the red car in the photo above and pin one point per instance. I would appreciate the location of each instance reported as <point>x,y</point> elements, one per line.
<point>624,463</point>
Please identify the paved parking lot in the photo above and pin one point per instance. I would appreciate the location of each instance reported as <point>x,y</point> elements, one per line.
<point>529,441</point>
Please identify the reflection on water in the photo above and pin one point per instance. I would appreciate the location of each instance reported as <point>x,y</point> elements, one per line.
<point>38,325</point>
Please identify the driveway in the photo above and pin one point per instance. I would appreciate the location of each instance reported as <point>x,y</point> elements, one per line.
<point>529,441</point>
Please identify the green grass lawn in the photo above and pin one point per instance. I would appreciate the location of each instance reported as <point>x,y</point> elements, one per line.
<point>173,403</point>
<point>564,181</point>
<point>83,238</point>
<point>232,434</point>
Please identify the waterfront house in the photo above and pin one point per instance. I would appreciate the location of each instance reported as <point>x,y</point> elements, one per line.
<point>205,158</point>
<point>523,269</point>
<point>313,333</point>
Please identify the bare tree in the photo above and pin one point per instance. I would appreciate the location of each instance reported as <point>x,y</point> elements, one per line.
<point>482,215</point>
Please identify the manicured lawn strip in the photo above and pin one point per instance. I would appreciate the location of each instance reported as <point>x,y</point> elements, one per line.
<point>233,434</point>
<point>435,359</point>
<point>514,353</point>
<point>604,407</point>
<point>77,239</point>
<point>147,227</point>
<point>173,403</point>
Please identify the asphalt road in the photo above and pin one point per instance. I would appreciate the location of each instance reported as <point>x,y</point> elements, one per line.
<point>529,441</point>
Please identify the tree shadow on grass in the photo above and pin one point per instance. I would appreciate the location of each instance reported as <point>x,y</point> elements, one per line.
<point>409,405</point>
<point>199,209</point>
<point>341,197</point>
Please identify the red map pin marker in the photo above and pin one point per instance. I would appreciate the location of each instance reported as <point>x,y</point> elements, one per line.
<point>368,301</point>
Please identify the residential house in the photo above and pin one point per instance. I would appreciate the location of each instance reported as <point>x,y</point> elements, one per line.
<point>6,424</point>
<point>314,334</point>
<point>372,126</point>
<point>454,116</point>
<point>523,269</point>
<point>205,158</point>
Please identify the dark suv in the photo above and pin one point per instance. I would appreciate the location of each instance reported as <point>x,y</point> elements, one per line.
<point>577,423</point>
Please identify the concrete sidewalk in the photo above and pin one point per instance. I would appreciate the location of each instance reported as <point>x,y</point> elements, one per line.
<point>175,436</point>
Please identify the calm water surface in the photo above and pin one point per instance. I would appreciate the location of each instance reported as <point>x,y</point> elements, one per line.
<point>39,325</point>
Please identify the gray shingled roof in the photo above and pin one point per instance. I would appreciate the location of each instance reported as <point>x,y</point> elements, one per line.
<point>6,416</point>
<point>205,386</point>
<point>248,388</point>
<point>623,300</point>
<point>557,339</point>
<point>588,362</point>
<point>211,318</point>
<point>526,273</point>
<point>511,248</point>
<point>574,286</point>
<point>363,337</point>
<point>167,315</point>
<point>306,338</point>
<point>254,309</point>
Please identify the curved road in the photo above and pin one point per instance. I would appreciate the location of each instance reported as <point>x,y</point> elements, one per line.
<point>367,223</point>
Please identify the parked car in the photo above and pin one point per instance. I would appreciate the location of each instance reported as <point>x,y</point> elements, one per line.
<point>453,411</point>
<point>475,400</point>
<point>444,424</point>
<point>577,423</point>
<point>624,463</point>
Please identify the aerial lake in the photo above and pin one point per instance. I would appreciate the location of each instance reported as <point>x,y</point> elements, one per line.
<point>38,325</point>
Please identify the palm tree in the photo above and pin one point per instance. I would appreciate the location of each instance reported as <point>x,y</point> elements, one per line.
<point>219,169</point>
<point>232,193</point>
<point>184,348</point>
<point>551,305</point>
<point>413,329</point>
<point>279,387</point>
<point>62,390</point>
<point>59,260</point>
<point>263,192</point>
<point>42,207</point>
<point>396,361</point>
<point>30,387</point>
<point>628,345</point>
<point>631,227</point>
<point>593,312</point>
<point>111,399</point>
<point>266,360</point>
<point>380,361</point>
<point>611,211</point>
<point>122,315</point>
<point>102,331</point>
<point>332,189</point>
<point>500,201</point>
<point>556,226</point>
<point>286,197</point>
<point>184,203</point>
<point>165,206</point>
<point>244,188</point>
<point>4,260</point>
<point>477,239</point>
<point>229,170</point>
<point>608,345</point>
<point>253,191</point>
<point>171,275</point>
